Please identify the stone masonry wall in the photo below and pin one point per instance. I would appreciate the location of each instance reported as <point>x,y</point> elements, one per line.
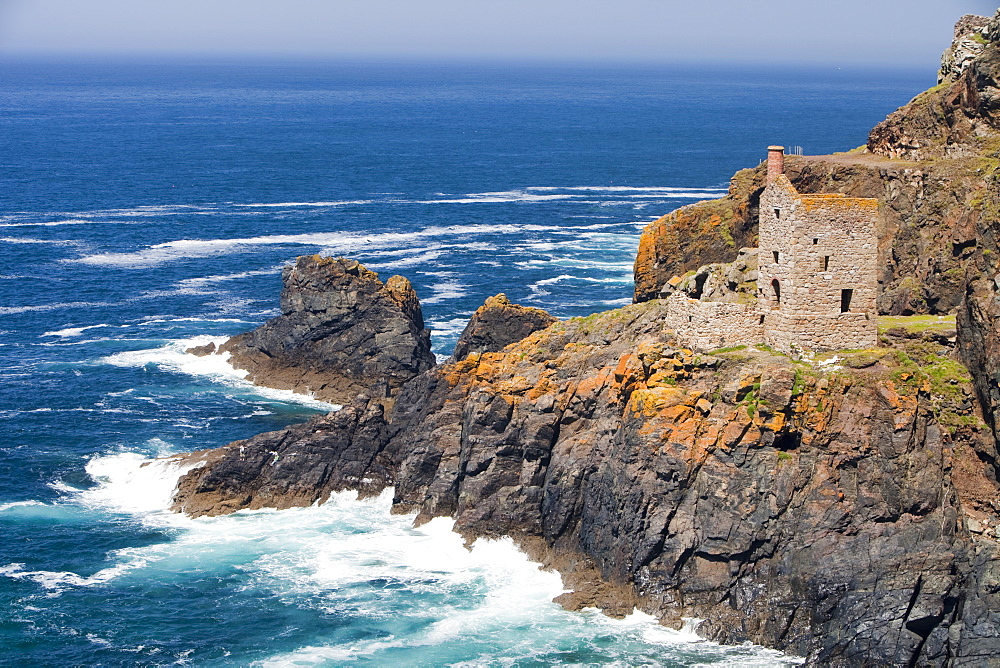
<point>710,325</point>
<point>817,280</point>
<point>852,331</point>
<point>817,247</point>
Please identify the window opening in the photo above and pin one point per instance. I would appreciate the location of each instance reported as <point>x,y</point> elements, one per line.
<point>777,291</point>
<point>775,256</point>
<point>815,241</point>
<point>826,262</point>
<point>845,300</point>
<point>777,213</point>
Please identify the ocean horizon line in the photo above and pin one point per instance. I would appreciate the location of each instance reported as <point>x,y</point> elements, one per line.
<point>682,65</point>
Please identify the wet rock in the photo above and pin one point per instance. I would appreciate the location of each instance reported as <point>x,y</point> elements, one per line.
<point>202,351</point>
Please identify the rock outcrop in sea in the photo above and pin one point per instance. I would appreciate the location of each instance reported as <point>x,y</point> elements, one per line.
<point>341,332</point>
<point>845,508</point>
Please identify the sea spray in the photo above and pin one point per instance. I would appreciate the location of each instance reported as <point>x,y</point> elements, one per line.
<point>173,357</point>
<point>426,597</point>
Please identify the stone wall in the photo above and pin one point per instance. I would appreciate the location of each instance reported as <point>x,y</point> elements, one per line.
<point>845,332</point>
<point>709,325</point>
<point>818,269</point>
<point>817,277</point>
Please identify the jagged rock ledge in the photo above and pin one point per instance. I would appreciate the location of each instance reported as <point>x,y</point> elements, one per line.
<point>341,332</point>
<point>819,510</point>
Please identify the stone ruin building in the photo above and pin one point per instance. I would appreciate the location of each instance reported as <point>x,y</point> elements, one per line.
<point>816,277</point>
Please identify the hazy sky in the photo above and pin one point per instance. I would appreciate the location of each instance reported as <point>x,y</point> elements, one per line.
<point>909,32</point>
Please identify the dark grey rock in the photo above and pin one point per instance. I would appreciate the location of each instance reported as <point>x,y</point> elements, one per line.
<point>341,332</point>
<point>498,323</point>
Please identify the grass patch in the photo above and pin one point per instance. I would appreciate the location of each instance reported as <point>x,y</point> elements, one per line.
<point>727,234</point>
<point>917,324</point>
<point>922,98</point>
<point>853,151</point>
<point>864,359</point>
<point>752,400</point>
<point>802,380</point>
<point>730,349</point>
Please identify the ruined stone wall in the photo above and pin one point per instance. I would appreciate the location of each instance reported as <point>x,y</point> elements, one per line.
<point>844,332</point>
<point>710,325</point>
<point>774,245</point>
<point>835,248</point>
<point>818,269</point>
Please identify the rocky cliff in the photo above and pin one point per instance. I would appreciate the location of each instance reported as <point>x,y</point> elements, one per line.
<point>953,118</point>
<point>341,332</point>
<point>819,508</point>
<point>934,165</point>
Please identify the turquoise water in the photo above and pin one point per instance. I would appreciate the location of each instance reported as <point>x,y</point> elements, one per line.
<point>146,207</point>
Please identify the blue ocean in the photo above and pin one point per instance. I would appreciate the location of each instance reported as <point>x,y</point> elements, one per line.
<point>146,207</point>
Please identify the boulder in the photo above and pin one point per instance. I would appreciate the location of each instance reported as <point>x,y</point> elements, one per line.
<point>341,332</point>
<point>498,323</point>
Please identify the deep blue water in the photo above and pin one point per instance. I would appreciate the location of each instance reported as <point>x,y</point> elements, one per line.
<point>148,206</point>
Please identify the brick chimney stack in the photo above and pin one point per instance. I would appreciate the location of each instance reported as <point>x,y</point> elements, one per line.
<point>775,162</point>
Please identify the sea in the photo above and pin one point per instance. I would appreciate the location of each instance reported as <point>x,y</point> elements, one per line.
<point>149,206</point>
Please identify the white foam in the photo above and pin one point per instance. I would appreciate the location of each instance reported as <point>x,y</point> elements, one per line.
<point>623,267</point>
<point>452,327</point>
<point>554,280</point>
<point>445,290</point>
<point>497,197</point>
<point>26,240</point>
<point>20,504</point>
<point>333,243</point>
<point>202,281</point>
<point>693,194</point>
<point>173,358</point>
<point>506,617</point>
<point>150,211</point>
<point>58,581</point>
<point>316,204</point>
<point>331,557</point>
<point>10,310</point>
<point>72,331</point>
<point>414,261</point>
<point>637,189</point>
<point>157,320</point>
<point>126,482</point>
<point>575,193</point>
<point>130,482</point>
<point>75,221</point>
